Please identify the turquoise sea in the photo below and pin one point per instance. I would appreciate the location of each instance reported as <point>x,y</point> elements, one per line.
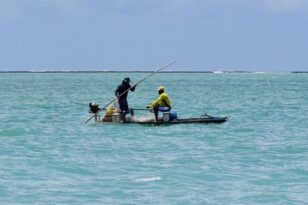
<point>49,156</point>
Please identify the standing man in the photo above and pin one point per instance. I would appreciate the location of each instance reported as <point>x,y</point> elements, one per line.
<point>162,103</point>
<point>121,93</point>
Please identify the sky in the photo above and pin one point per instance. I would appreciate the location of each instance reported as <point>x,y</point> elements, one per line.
<point>204,35</point>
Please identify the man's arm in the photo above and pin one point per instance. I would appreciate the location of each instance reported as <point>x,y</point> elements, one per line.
<point>133,88</point>
<point>157,101</point>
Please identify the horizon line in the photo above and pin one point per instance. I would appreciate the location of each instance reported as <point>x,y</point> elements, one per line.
<point>146,71</point>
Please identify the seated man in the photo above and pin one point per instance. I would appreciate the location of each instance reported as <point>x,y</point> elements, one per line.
<point>162,103</point>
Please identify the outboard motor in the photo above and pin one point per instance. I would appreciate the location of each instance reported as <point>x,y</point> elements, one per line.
<point>94,107</point>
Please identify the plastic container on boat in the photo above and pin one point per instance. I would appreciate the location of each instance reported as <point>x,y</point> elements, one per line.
<point>166,116</point>
<point>116,117</point>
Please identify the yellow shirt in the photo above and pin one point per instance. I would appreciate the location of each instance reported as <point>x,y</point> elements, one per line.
<point>162,100</point>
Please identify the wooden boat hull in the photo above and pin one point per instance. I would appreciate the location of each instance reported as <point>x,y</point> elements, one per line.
<point>217,120</point>
<point>207,120</point>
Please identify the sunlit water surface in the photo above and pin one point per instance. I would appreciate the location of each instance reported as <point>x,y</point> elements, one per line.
<point>49,156</point>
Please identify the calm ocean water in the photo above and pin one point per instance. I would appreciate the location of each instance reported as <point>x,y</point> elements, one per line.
<point>49,156</point>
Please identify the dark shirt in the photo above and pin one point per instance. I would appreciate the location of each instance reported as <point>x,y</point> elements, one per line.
<point>122,88</point>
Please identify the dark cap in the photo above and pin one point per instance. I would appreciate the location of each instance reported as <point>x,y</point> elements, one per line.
<point>126,80</point>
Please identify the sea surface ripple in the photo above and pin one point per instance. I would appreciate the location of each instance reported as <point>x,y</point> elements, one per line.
<point>49,156</point>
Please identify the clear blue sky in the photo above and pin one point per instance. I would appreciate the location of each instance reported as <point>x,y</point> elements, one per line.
<point>258,35</point>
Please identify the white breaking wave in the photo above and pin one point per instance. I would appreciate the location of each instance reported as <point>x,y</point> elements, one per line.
<point>148,179</point>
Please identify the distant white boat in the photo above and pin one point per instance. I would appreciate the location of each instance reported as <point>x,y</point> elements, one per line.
<point>218,71</point>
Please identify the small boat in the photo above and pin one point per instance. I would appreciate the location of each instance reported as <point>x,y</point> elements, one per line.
<point>219,71</point>
<point>168,118</point>
<point>203,119</point>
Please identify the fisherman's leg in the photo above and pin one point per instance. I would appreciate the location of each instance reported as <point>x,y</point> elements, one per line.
<point>123,116</point>
<point>156,112</point>
<point>132,113</point>
<point>122,105</point>
<point>124,109</point>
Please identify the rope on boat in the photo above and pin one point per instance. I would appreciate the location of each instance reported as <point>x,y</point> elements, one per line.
<point>205,115</point>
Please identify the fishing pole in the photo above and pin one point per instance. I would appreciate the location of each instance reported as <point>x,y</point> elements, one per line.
<point>132,86</point>
<point>83,104</point>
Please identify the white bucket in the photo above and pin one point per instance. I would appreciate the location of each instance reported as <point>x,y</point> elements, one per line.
<point>166,116</point>
<point>116,117</point>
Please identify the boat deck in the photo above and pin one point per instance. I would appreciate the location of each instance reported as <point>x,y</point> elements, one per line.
<point>216,120</point>
<point>187,121</point>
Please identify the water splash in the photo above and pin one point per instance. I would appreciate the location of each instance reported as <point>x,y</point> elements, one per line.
<point>143,119</point>
<point>148,179</point>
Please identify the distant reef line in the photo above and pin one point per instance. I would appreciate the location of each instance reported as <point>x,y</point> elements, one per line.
<point>121,71</point>
<point>145,71</point>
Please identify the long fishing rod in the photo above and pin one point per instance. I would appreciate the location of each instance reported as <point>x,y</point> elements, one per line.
<point>129,89</point>
<point>83,104</point>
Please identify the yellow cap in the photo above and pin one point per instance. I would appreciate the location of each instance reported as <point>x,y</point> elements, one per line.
<point>160,88</point>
